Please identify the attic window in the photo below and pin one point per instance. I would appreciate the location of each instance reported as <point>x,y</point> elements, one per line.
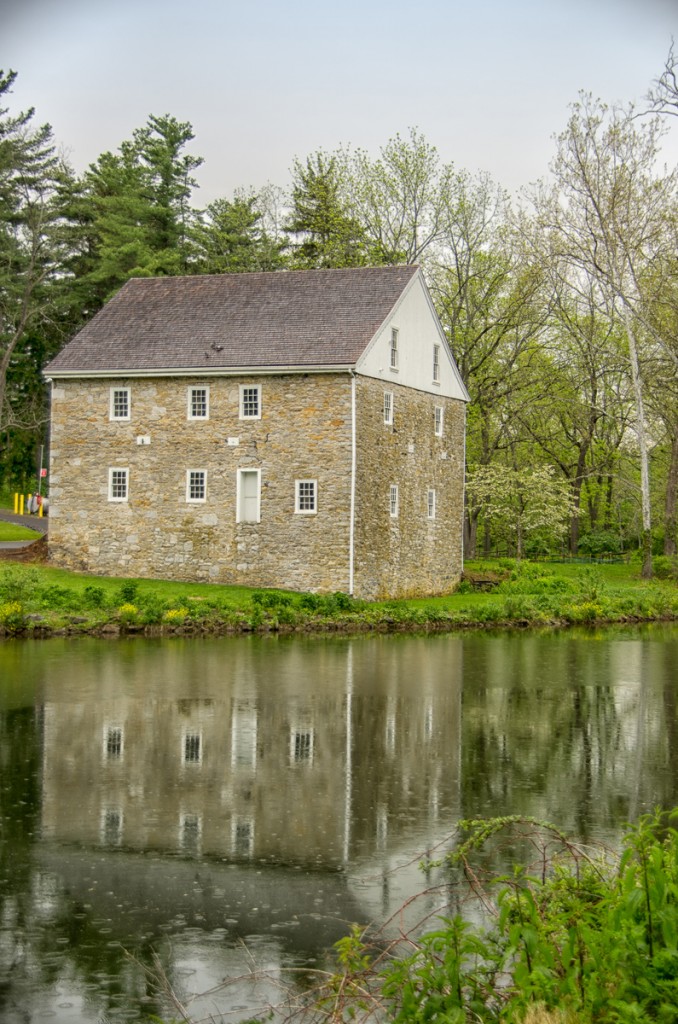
<point>120,404</point>
<point>250,401</point>
<point>394,348</point>
<point>198,403</point>
<point>436,364</point>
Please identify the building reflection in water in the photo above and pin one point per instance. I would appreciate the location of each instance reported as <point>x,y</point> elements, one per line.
<point>310,753</point>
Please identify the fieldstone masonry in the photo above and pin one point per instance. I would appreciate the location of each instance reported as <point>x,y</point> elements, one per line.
<point>304,433</point>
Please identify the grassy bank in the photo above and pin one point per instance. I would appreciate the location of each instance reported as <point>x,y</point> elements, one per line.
<point>41,601</point>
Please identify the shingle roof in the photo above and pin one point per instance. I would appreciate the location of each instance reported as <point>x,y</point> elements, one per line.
<point>288,318</point>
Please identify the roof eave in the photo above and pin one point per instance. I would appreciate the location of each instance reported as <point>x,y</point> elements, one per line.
<point>197,371</point>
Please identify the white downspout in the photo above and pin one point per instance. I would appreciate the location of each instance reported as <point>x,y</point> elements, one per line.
<point>351,527</point>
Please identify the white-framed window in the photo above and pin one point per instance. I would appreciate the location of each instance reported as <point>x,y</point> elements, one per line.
<point>388,408</point>
<point>196,485</point>
<point>436,364</point>
<point>199,403</point>
<point>250,401</point>
<point>393,359</point>
<point>306,496</point>
<point>248,496</point>
<point>113,742</point>
<point>118,484</point>
<point>439,420</point>
<point>394,505</point>
<point>121,404</point>
<point>431,503</point>
<point>191,748</point>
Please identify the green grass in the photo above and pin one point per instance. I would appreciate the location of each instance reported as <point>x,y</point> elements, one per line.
<point>10,531</point>
<point>43,599</point>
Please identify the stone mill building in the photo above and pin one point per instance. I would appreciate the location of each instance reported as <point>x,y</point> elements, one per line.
<point>300,430</point>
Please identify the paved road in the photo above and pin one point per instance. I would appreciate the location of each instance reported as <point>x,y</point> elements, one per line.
<point>38,523</point>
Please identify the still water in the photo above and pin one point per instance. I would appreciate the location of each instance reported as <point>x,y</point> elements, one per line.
<point>222,807</point>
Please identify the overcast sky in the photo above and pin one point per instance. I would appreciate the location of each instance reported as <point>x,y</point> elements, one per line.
<point>488,82</point>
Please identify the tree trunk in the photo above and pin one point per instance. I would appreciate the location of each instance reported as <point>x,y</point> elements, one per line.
<point>670,503</point>
<point>646,571</point>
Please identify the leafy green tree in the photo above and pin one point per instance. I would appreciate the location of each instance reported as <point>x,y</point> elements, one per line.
<point>323,232</point>
<point>229,237</point>
<point>401,199</point>
<point>31,252</point>
<point>520,502</point>
<point>606,221</point>
<point>134,212</point>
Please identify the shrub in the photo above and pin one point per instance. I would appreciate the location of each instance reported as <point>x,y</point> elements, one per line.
<point>271,599</point>
<point>665,568</point>
<point>55,596</point>
<point>128,592</point>
<point>128,612</point>
<point>18,583</point>
<point>94,596</point>
<point>175,616</point>
<point>12,616</point>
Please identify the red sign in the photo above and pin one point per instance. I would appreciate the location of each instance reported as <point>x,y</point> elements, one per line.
<point>43,472</point>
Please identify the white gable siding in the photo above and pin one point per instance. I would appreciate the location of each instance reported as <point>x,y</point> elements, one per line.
<point>418,331</point>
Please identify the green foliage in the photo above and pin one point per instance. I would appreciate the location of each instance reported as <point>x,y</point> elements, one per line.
<point>589,937</point>
<point>94,596</point>
<point>12,616</point>
<point>665,567</point>
<point>599,542</point>
<point>128,592</point>
<point>18,583</point>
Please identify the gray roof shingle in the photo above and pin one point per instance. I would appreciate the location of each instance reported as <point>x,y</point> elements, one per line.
<point>288,318</point>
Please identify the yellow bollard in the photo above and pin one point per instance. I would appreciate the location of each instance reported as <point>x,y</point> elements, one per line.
<point>21,504</point>
<point>40,511</point>
<point>16,503</point>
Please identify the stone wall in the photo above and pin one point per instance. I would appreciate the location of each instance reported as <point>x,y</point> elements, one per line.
<point>304,433</point>
<point>409,554</point>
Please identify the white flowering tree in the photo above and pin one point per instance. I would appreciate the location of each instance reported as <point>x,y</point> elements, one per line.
<point>521,502</point>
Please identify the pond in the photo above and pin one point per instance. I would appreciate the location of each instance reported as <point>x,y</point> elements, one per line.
<point>223,807</point>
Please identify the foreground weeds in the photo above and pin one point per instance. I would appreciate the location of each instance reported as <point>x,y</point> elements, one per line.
<point>566,936</point>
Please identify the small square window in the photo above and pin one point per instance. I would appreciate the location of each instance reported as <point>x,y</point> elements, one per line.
<point>306,497</point>
<point>118,484</point>
<point>196,485</point>
<point>431,503</point>
<point>394,349</point>
<point>198,403</point>
<point>439,420</point>
<point>250,401</point>
<point>393,501</point>
<point>436,364</point>
<point>120,404</point>
<point>388,407</point>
